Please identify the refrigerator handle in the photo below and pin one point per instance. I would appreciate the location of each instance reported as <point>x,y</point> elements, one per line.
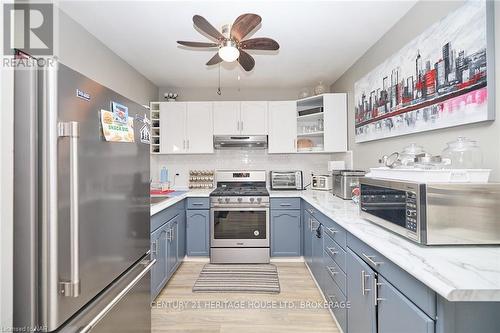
<point>116,300</point>
<point>71,130</point>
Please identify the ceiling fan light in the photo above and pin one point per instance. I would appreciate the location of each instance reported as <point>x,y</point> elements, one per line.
<point>229,52</point>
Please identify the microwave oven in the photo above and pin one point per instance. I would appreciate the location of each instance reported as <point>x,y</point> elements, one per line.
<point>433,213</point>
<point>286,180</point>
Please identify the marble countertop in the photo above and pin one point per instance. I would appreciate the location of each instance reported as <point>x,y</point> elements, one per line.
<point>457,273</point>
<point>175,197</point>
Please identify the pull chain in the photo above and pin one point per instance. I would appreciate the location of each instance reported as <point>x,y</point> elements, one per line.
<point>219,92</point>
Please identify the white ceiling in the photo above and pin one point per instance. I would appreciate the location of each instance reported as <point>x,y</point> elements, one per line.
<point>319,40</point>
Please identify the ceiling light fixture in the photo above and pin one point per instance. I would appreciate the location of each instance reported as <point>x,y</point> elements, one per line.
<point>229,51</point>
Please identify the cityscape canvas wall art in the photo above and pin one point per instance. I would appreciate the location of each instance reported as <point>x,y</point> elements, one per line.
<point>440,79</point>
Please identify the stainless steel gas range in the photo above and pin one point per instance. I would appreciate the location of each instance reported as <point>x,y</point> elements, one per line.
<point>239,218</point>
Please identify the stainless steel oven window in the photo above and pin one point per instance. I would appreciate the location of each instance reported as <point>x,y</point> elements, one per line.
<point>239,227</point>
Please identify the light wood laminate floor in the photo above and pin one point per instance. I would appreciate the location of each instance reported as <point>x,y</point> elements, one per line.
<point>298,308</point>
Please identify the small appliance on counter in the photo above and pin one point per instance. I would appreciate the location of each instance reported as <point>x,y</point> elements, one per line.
<point>287,180</point>
<point>433,213</point>
<point>344,181</point>
<point>321,182</point>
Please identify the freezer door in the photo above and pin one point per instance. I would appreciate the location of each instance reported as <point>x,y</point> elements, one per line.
<point>124,307</point>
<point>94,194</point>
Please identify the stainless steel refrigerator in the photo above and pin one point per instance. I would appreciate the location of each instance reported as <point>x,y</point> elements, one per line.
<point>82,210</point>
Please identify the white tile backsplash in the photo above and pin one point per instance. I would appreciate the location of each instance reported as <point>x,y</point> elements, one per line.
<point>240,159</point>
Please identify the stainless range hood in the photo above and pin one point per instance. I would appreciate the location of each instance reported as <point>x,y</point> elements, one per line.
<point>240,141</point>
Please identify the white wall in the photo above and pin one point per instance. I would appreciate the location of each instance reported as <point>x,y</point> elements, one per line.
<point>239,159</point>
<point>232,94</point>
<point>423,14</point>
<point>80,50</point>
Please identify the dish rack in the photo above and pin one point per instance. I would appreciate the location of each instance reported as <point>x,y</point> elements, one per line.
<point>201,179</point>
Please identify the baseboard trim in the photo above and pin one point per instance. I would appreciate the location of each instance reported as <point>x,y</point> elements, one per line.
<point>196,259</point>
<point>287,259</point>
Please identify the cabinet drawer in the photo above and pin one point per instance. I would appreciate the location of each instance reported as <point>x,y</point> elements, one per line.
<point>415,290</point>
<point>337,302</point>
<point>333,272</point>
<point>285,203</point>
<point>335,252</point>
<point>198,203</point>
<point>332,229</point>
<point>166,215</point>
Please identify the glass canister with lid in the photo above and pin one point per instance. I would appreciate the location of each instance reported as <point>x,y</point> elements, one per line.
<point>462,153</point>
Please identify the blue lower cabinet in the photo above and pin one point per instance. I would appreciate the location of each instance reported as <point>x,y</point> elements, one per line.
<point>307,237</point>
<point>172,247</point>
<point>362,313</point>
<point>397,314</point>
<point>285,233</point>
<point>197,232</point>
<point>159,249</point>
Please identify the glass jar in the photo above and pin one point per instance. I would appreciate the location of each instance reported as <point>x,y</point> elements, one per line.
<point>407,156</point>
<point>463,153</point>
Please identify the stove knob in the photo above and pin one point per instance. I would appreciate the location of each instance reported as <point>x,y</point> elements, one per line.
<point>227,199</point>
<point>219,199</point>
<point>252,199</point>
<point>259,200</point>
<point>240,199</point>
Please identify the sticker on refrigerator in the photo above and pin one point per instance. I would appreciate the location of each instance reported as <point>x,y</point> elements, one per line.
<point>145,135</point>
<point>120,113</point>
<point>114,131</point>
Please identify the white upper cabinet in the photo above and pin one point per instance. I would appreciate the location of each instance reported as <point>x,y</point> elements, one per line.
<point>253,119</point>
<point>199,128</point>
<point>240,118</point>
<point>335,106</point>
<point>282,117</point>
<point>173,127</point>
<point>226,118</point>
<point>186,128</point>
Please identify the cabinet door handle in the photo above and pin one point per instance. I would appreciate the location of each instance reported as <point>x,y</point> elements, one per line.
<point>294,143</point>
<point>377,299</point>
<point>364,290</point>
<point>285,205</point>
<point>332,270</point>
<point>155,248</point>
<point>371,260</point>
<point>238,125</point>
<point>332,251</point>
<point>187,144</point>
<point>333,231</point>
<point>184,144</point>
<point>242,125</point>
<point>169,235</point>
<point>197,203</point>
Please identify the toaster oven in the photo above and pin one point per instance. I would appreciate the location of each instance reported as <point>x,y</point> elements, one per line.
<point>286,180</point>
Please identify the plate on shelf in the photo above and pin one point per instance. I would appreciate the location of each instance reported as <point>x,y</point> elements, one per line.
<point>304,149</point>
<point>317,148</point>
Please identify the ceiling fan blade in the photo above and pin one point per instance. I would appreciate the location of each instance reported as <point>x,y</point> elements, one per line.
<point>246,61</point>
<point>201,23</point>
<point>262,43</point>
<point>215,60</point>
<point>197,44</point>
<point>244,24</point>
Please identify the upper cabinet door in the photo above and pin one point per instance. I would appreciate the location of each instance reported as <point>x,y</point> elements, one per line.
<point>253,118</point>
<point>199,128</point>
<point>335,122</point>
<point>226,118</point>
<point>173,127</point>
<point>282,127</point>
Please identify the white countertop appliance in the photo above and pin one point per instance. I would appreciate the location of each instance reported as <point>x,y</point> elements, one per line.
<point>433,213</point>
<point>286,180</point>
<point>321,182</point>
<point>239,218</point>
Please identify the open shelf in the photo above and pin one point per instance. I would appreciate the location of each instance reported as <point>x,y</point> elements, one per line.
<point>319,133</point>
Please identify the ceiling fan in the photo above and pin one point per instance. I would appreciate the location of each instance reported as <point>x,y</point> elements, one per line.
<point>230,41</point>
